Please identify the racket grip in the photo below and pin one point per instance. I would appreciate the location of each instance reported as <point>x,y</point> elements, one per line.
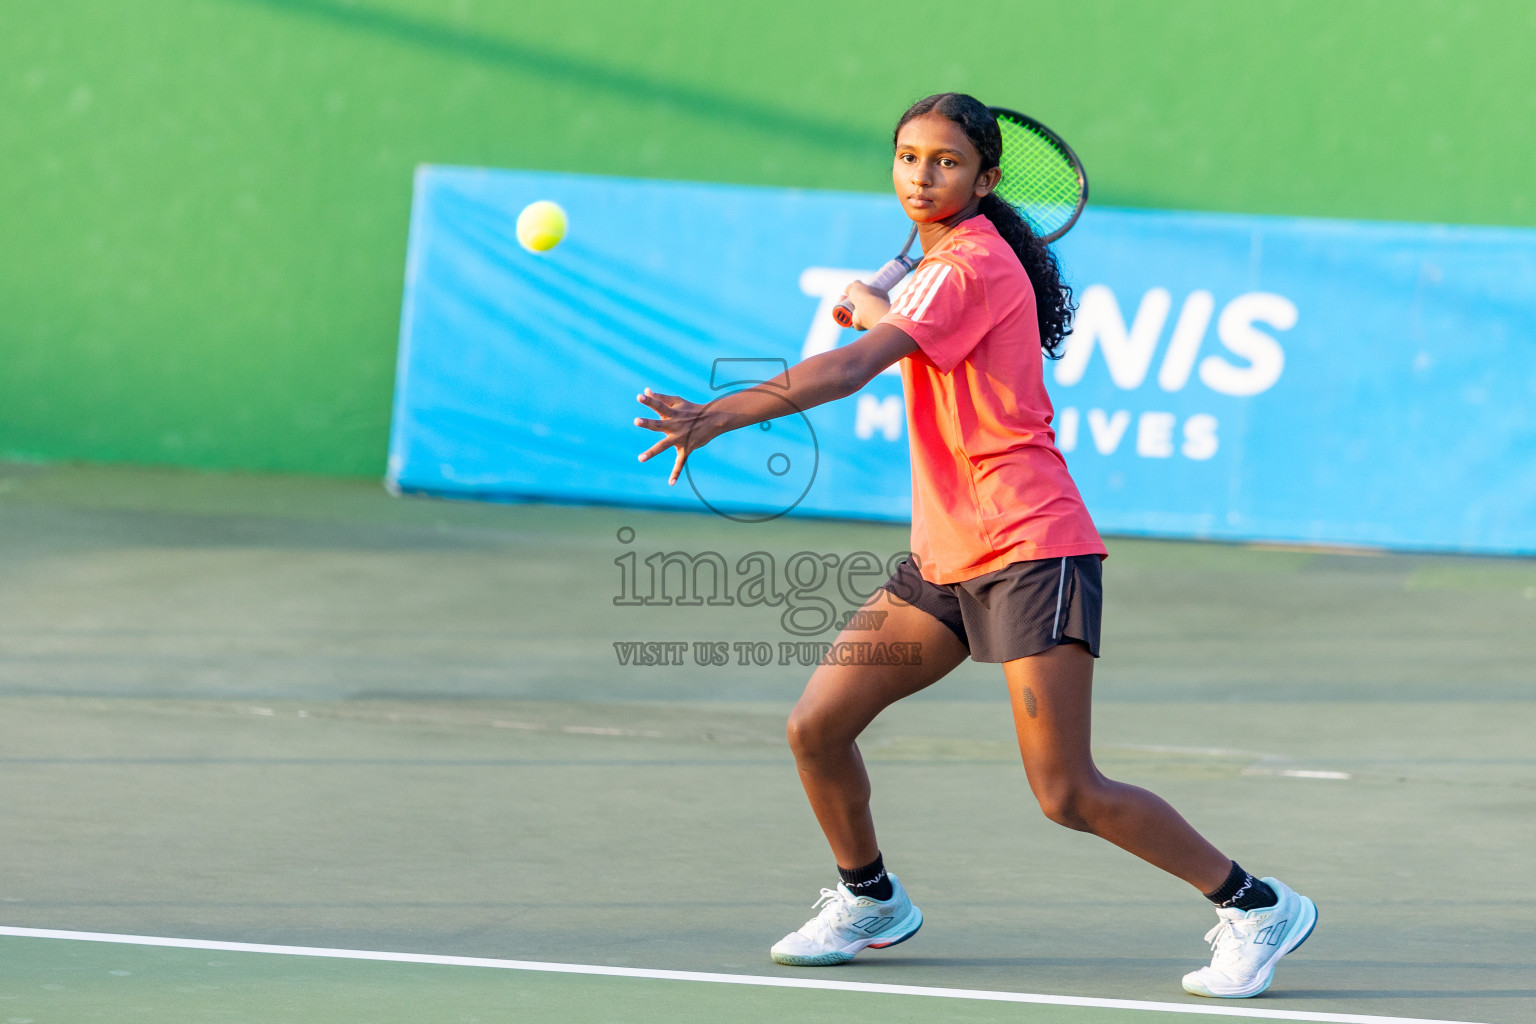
<point>884,278</point>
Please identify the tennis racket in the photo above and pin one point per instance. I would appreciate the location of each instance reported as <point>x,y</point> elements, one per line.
<point>1042,179</point>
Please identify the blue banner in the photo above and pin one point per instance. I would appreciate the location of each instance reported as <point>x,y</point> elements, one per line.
<point>1230,377</point>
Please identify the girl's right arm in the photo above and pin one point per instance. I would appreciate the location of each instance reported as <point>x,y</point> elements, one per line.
<point>822,378</point>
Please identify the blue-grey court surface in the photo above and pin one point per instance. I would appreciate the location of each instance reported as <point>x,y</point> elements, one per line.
<point>301,712</point>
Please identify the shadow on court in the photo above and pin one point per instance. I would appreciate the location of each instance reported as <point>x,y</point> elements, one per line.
<point>298,711</point>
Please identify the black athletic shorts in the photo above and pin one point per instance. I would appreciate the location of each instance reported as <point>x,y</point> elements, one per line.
<point>1019,610</point>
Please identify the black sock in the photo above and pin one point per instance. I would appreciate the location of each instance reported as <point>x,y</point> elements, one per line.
<point>870,880</point>
<point>1243,891</point>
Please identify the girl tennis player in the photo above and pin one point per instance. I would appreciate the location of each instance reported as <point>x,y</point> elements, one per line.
<point>1007,560</point>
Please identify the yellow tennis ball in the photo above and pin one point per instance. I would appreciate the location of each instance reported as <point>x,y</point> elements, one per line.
<point>540,226</point>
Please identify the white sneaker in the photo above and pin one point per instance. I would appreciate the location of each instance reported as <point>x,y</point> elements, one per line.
<point>1248,944</point>
<point>846,924</point>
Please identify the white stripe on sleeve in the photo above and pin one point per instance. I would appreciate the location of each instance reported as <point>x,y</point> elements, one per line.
<point>933,289</point>
<point>910,293</point>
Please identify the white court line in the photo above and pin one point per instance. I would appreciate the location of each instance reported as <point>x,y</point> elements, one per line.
<point>1296,773</point>
<point>1218,1009</point>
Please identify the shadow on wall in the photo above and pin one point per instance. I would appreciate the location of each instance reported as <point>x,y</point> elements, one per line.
<point>504,53</point>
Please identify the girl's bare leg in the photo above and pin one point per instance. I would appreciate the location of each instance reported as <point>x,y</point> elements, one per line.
<point>1051,694</point>
<point>839,701</point>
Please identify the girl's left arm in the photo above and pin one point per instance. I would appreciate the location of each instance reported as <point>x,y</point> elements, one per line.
<point>819,379</point>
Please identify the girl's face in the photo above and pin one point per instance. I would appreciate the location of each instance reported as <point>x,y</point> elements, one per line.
<point>937,172</point>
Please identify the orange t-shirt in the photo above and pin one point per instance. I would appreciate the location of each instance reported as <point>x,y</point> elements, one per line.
<point>989,487</point>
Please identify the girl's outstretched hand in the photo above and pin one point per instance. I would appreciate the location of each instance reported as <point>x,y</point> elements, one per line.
<point>682,424</point>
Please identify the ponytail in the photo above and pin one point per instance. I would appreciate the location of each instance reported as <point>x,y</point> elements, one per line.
<point>1053,297</point>
<point>1054,304</point>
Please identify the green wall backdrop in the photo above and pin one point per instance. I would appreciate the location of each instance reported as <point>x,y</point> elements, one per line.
<point>203,203</point>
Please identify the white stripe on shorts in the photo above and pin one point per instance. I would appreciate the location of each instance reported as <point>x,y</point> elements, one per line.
<point>1061,586</point>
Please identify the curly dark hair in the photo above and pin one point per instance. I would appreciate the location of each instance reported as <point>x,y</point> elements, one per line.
<point>1054,304</point>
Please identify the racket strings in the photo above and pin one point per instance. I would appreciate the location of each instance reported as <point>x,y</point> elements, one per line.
<point>1039,179</point>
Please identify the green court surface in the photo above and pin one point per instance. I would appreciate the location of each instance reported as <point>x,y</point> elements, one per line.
<point>89,981</point>
<point>302,712</point>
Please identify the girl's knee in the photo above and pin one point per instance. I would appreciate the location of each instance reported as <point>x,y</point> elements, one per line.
<point>812,731</point>
<point>1072,803</point>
